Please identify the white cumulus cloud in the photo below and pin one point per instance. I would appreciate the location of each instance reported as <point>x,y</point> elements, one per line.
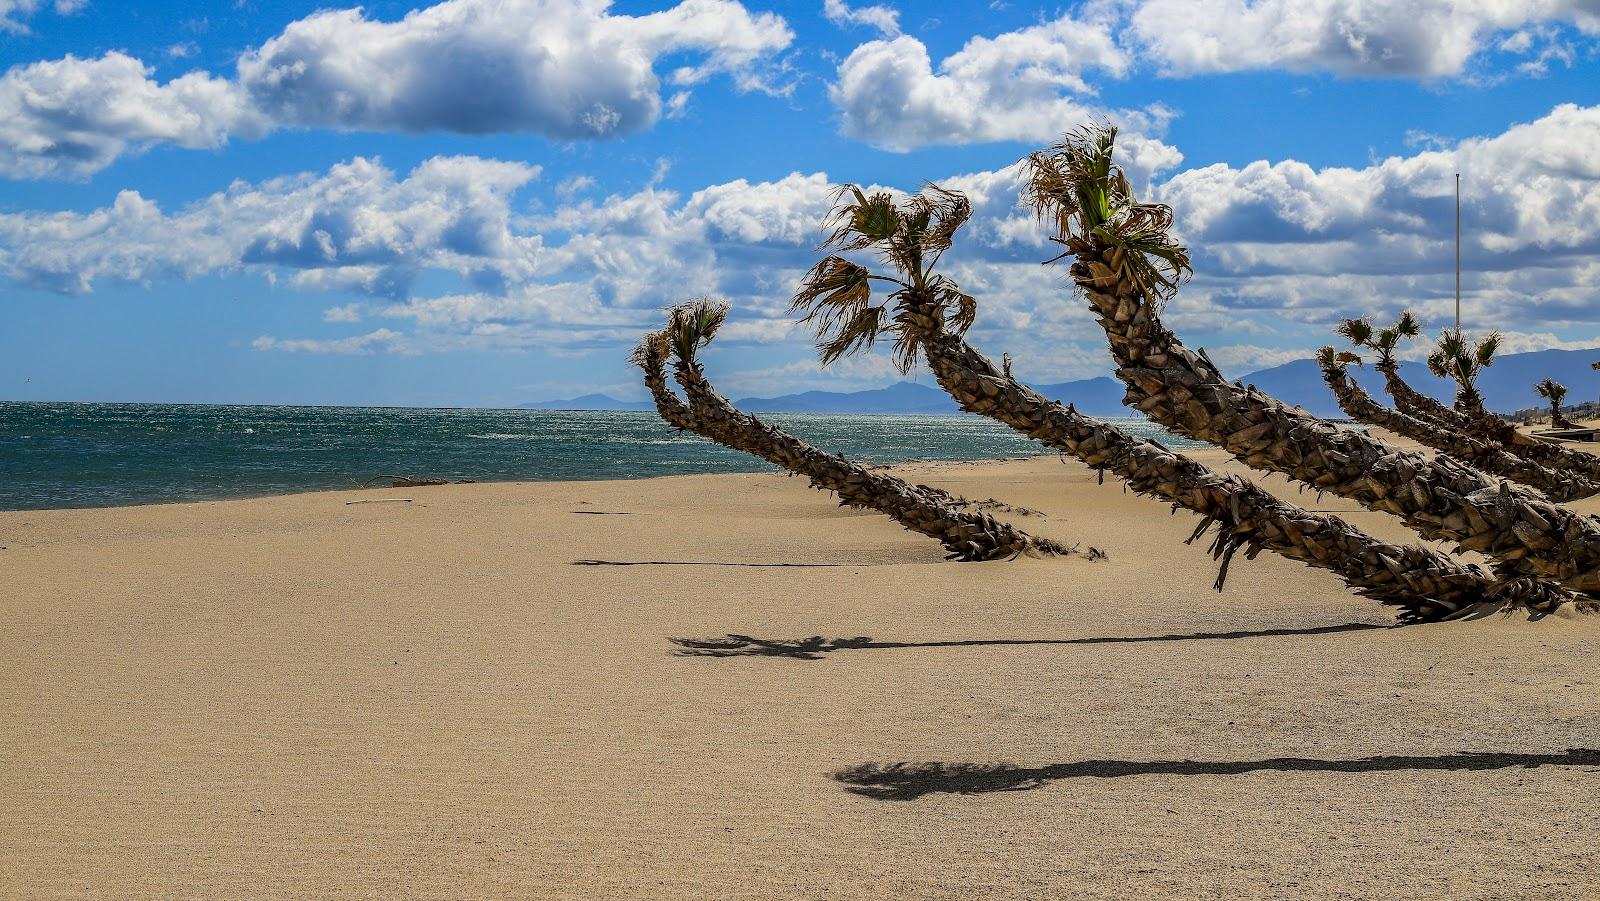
<point>883,18</point>
<point>1027,85</point>
<point>1420,38</point>
<point>355,226</point>
<point>72,117</point>
<point>565,69</point>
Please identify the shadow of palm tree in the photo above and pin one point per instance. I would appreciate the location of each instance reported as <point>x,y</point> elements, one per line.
<point>909,781</point>
<point>735,645</point>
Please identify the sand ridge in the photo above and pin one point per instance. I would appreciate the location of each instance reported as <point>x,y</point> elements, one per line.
<point>304,697</point>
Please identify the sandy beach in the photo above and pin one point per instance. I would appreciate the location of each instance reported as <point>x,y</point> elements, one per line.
<point>419,693</point>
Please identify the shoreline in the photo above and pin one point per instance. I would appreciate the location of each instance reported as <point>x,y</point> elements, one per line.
<point>761,467</point>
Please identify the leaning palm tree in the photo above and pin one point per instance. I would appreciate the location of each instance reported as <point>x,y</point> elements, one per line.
<point>966,535</point>
<point>1460,360</point>
<point>1554,392</point>
<point>926,314</point>
<point>1487,456</point>
<point>1383,343</point>
<point>1484,427</point>
<point>1127,266</point>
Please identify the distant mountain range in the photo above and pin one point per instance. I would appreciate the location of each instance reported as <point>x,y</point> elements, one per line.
<point>1507,386</point>
<point>588,402</point>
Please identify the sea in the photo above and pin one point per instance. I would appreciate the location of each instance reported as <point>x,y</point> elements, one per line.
<point>58,455</point>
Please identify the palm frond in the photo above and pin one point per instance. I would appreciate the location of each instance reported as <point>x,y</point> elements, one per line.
<point>1551,390</point>
<point>692,325</point>
<point>1407,325</point>
<point>1078,187</point>
<point>652,348</point>
<point>1484,353</point>
<point>836,298</point>
<point>1357,331</point>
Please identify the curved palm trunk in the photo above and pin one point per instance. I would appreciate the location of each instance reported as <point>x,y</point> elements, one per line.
<point>1492,427</point>
<point>930,511</point>
<point>1412,402</point>
<point>1181,389</point>
<point>1490,458</point>
<point>1579,462</point>
<point>1423,584</point>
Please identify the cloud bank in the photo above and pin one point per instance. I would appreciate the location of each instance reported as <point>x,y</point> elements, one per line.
<point>562,69</point>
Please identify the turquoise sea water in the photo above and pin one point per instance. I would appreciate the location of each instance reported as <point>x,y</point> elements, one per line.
<point>97,455</point>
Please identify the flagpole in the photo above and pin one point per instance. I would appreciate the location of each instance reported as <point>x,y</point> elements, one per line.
<point>1458,251</point>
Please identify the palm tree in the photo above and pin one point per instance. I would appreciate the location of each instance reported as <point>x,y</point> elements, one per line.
<point>1127,266</point>
<point>930,511</point>
<point>1476,426</point>
<point>1487,456</point>
<point>1384,342</point>
<point>836,298</point>
<point>1554,392</point>
<point>1456,358</point>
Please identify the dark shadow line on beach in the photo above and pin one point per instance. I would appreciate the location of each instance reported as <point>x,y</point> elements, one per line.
<point>696,563</point>
<point>909,781</point>
<point>735,645</point>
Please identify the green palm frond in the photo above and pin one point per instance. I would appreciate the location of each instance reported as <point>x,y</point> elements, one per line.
<point>1484,353</point>
<point>1357,331</point>
<point>1457,357</point>
<point>1551,390</point>
<point>836,297</point>
<point>692,325</point>
<point>1407,325</point>
<point>1078,187</point>
<point>860,221</point>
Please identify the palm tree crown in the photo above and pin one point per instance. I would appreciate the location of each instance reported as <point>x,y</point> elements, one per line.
<point>1455,357</point>
<point>1383,341</point>
<point>1552,391</point>
<point>909,236</point>
<point>1084,194</point>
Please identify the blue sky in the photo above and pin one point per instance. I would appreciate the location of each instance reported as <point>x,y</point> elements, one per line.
<point>485,202</point>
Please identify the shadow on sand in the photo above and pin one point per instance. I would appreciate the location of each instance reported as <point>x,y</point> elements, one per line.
<point>734,645</point>
<point>909,781</point>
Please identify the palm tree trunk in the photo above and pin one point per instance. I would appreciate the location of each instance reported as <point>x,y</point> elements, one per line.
<point>1469,401</point>
<point>1490,458</point>
<point>929,511</point>
<point>1440,499</point>
<point>1553,455</point>
<point>1488,426</point>
<point>1412,402</point>
<point>1423,584</point>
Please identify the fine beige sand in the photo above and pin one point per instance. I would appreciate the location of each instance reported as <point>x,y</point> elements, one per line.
<point>416,693</point>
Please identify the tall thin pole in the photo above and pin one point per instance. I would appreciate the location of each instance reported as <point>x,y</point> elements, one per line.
<point>1458,251</point>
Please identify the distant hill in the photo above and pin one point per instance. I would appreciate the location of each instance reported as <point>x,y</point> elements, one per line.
<point>587,402</point>
<point>1507,386</point>
<point>1098,396</point>
<point>901,397</point>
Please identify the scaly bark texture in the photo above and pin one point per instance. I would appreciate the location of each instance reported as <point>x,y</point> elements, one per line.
<point>929,511</point>
<point>1439,498</point>
<point>1412,402</point>
<point>1489,427</point>
<point>1553,455</point>
<point>1422,584</point>
<point>1489,457</point>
